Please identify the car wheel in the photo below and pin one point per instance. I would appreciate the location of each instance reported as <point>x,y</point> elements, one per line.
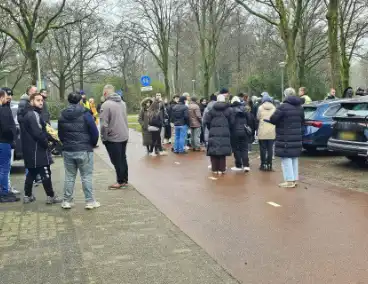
<point>360,161</point>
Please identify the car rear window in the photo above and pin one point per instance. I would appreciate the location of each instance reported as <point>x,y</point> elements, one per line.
<point>357,109</point>
<point>14,109</point>
<point>332,110</point>
<point>309,112</point>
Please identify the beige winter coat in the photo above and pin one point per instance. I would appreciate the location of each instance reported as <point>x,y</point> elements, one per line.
<point>266,130</point>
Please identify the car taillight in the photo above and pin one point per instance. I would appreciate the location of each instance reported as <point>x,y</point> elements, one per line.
<point>317,124</point>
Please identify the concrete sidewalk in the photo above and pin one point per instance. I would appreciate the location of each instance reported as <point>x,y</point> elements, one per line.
<point>126,240</point>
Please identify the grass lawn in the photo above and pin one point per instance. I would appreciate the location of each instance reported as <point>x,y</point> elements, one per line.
<point>133,122</point>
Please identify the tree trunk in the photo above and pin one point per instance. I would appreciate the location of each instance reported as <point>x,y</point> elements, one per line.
<point>33,68</point>
<point>81,65</point>
<point>291,64</point>
<point>332,21</point>
<point>302,59</point>
<point>345,62</point>
<point>62,87</point>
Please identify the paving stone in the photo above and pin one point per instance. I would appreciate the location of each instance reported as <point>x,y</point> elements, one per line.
<point>126,240</point>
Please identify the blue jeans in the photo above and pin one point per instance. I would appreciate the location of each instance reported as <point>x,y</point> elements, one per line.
<point>180,137</point>
<point>5,160</point>
<point>74,161</point>
<point>290,168</point>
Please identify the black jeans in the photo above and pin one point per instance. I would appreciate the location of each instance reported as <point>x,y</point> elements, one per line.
<point>156,142</point>
<point>167,131</point>
<point>45,173</point>
<point>240,149</point>
<point>218,163</point>
<point>266,149</point>
<point>201,138</point>
<point>117,154</point>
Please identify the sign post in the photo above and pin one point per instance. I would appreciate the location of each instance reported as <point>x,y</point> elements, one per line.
<point>146,84</point>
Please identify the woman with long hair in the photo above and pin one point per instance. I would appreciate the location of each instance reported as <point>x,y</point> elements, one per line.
<point>155,124</point>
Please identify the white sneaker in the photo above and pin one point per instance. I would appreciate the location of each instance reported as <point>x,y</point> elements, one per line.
<point>235,169</point>
<point>92,205</point>
<point>246,169</point>
<point>162,153</point>
<point>14,191</point>
<point>66,205</point>
<point>152,154</point>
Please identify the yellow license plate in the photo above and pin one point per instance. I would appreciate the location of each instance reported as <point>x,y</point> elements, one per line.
<point>350,136</point>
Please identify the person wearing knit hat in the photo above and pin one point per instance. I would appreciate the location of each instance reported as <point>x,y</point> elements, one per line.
<point>241,130</point>
<point>266,132</point>
<point>218,121</point>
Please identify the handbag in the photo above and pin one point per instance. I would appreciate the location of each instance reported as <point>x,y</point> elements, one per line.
<point>152,128</point>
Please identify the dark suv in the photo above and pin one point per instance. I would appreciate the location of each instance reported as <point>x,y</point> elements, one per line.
<point>350,130</point>
<point>18,153</point>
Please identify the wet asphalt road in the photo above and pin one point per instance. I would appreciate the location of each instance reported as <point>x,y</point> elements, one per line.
<point>316,235</point>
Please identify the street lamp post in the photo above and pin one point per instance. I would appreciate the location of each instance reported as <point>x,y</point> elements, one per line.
<point>6,73</point>
<point>282,65</point>
<point>39,85</point>
<point>193,81</point>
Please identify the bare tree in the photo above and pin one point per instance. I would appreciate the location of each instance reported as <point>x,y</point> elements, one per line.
<point>210,17</point>
<point>28,26</point>
<point>312,45</point>
<point>151,28</point>
<point>333,47</point>
<point>353,27</point>
<point>286,15</point>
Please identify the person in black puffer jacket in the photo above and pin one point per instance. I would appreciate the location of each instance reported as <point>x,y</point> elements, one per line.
<point>219,121</point>
<point>155,124</point>
<point>36,155</point>
<point>289,119</point>
<point>180,118</point>
<point>239,136</point>
<point>79,134</point>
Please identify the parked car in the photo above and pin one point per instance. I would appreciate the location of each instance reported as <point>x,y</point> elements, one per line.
<point>18,153</point>
<point>318,121</point>
<point>350,130</point>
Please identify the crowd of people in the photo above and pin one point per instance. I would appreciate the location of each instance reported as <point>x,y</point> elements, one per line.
<point>78,135</point>
<point>228,125</point>
<point>223,126</point>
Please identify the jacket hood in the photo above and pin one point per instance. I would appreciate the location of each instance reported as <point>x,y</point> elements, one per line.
<point>293,100</point>
<point>345,93</point>
<point>238,108</point>
<point>268,105</point>
<point>25,97</point>
<point>221,106</point>
<point>145,100</point>
<point>210,105</point>
<point>73,111</point>
<point>114,97</point>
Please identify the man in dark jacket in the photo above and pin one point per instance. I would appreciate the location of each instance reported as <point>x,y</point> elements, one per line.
<point>79,134</point>
<point>180,118</point>
<point>24,102</point>
<point>45,109</point>
<point>288,119</point>
<point>37,158</point>
<point>239,136</point>
<point>7,137</point>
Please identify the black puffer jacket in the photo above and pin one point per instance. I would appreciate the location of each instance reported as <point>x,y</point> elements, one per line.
<point>288,119</point>
<point>34,139</point>
<point>73,129</point>
<point>180,114</point>
<point>239,121</point>
<point>219,121</point>
<point>8,129</point>
<point>156,120</point>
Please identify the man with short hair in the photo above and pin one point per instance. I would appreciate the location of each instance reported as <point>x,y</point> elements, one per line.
<point>79,134</point>
<point>7,137</point>
<point>331,95</point>
<point>45,109</point>
<point>37,158</point>
<point>303,95</point>
<point>84,102</point>
<point>24,102</point>
<point>180,118</point>
<point>115,134</point>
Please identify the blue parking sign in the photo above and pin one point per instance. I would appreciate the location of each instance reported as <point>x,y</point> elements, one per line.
<point>145,81</point>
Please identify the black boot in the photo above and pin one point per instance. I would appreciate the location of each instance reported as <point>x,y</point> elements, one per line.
<point>269,168</point>
<point>262,168</point>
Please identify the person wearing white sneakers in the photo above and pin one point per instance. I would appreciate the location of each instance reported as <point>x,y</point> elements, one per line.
<point>79,134</point>
<point>240,135</point>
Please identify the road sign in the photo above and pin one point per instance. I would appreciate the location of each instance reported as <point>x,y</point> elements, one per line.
<point>146,89</point>
<point>145,81</point>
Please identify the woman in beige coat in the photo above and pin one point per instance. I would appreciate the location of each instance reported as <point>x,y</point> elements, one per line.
<point>266,132</point>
